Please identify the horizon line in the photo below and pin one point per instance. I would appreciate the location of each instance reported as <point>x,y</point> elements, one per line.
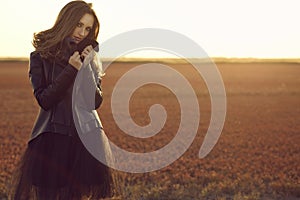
<point>178,60</point>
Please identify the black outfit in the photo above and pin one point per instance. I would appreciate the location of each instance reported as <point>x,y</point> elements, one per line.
<point>55,163</point>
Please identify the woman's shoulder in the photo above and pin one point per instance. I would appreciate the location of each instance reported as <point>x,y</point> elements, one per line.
<point>36,58</point>
<point>35,55</point>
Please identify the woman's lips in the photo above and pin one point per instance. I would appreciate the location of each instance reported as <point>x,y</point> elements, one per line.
<point>77,39</point>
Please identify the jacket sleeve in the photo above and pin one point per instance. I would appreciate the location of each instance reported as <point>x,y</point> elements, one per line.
<point>48,95</point>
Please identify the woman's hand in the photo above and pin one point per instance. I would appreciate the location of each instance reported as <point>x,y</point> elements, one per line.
<point>88,54</point>
<point>75,61</point>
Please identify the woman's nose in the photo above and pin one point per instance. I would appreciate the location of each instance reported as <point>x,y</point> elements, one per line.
<point>82,32</point>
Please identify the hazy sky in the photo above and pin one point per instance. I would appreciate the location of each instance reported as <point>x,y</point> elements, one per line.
<point>223,28</point>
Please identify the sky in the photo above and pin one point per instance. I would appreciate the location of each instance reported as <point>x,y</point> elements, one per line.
<point>231,28</point>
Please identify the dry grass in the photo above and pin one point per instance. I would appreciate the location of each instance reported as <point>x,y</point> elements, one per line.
<point>256,157</point>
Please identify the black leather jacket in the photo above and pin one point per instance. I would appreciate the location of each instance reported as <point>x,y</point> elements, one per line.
<point>52,84</point>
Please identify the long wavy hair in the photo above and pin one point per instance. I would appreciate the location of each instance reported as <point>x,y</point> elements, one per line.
<point>49,43</point>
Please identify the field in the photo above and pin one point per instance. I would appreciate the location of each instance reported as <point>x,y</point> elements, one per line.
<point>256,157</point>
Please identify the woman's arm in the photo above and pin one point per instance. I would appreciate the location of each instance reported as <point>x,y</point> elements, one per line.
<point>48,95</point>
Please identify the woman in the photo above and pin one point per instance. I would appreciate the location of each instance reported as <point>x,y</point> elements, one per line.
<point>56,164</point>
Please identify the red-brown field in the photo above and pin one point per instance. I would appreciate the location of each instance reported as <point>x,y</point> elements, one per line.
<point>256,157</point>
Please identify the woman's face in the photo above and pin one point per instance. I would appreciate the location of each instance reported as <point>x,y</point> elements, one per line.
<point>83,28</point>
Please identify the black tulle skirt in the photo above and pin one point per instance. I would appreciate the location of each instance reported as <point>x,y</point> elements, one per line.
<point>60,165</point>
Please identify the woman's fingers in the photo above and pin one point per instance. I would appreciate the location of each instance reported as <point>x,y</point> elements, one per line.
<point>87,50</point>
<point>88,53</point>
<point>75,60</point>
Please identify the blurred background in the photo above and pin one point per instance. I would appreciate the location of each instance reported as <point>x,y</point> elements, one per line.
<point>255,45</point>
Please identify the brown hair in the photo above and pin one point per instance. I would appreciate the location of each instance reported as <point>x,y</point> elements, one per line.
<point>49,42</point>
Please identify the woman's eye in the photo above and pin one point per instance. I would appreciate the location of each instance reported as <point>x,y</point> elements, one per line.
<point>79,25</point>
<point>88,29</point>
